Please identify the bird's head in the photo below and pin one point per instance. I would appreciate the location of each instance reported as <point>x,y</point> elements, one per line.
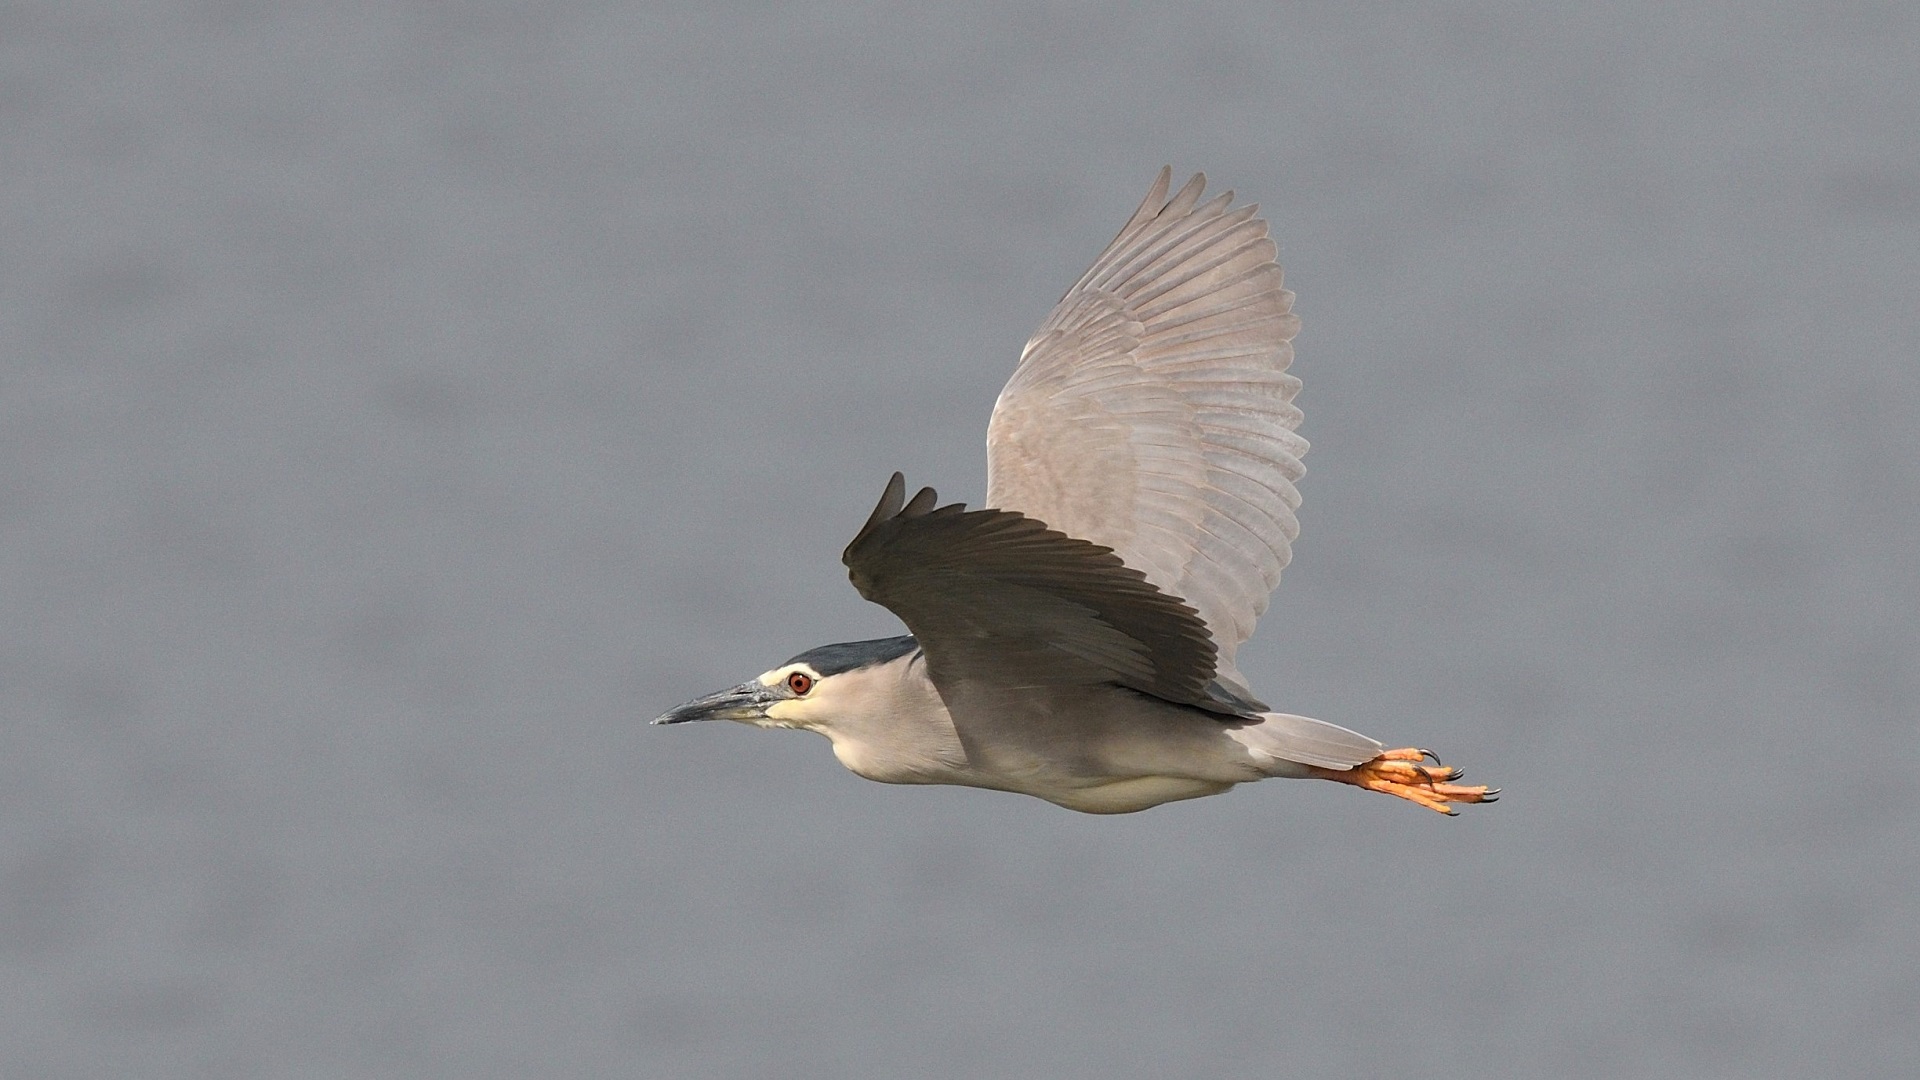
<point>805,692</point>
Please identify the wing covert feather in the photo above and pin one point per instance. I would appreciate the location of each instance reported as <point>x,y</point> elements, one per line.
<point>995,597</point>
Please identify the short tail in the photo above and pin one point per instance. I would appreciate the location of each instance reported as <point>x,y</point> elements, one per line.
<point>1285,739</point>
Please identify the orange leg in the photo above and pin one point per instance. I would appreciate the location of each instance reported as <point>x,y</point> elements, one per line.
<point>1403,773</point>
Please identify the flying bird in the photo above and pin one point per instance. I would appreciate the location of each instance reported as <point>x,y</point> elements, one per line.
<point>1075,639</point>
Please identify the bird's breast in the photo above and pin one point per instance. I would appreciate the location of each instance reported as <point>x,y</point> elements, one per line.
<point>903,762</point>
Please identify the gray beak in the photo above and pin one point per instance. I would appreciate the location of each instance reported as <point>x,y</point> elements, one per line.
<point>746,703</point>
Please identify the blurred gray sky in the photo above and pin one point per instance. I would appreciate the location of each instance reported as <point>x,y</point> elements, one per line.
<point>401,403</point>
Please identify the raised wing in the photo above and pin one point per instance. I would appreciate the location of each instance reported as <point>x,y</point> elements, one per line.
<point>1152,412</point>
<point>995,597</point>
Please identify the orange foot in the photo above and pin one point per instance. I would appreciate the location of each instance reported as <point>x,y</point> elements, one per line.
<point>1401,772</point>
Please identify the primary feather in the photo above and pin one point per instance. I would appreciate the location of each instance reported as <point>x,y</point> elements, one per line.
<point>1152,412</point>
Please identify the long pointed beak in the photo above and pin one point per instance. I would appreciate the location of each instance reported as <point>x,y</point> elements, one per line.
<point>746,703</point>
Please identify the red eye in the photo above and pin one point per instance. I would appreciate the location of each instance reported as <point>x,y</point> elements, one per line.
<point>799,683</point>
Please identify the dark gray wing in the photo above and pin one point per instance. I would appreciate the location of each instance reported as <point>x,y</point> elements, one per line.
<point>1152,412</point>
<point>997,598</point>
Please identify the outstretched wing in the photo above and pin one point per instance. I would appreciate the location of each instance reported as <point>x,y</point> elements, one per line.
<point>997,598</point>
<point>1152,412</point>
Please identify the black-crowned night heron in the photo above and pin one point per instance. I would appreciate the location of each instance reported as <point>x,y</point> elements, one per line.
<point>1075,640</point>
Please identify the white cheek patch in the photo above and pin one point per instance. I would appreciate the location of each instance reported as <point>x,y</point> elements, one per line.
<point>789,712</point>
<point>792,713</point>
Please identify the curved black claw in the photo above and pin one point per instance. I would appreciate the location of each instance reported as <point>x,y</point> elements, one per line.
<point>1426,753</point>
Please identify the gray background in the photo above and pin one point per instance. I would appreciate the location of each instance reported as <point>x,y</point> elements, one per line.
<point>402,403</point>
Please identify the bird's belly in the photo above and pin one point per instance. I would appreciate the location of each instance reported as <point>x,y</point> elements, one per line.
<point>1087,795</point>
<point>1127,796</point>
<point>1098,750</point>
